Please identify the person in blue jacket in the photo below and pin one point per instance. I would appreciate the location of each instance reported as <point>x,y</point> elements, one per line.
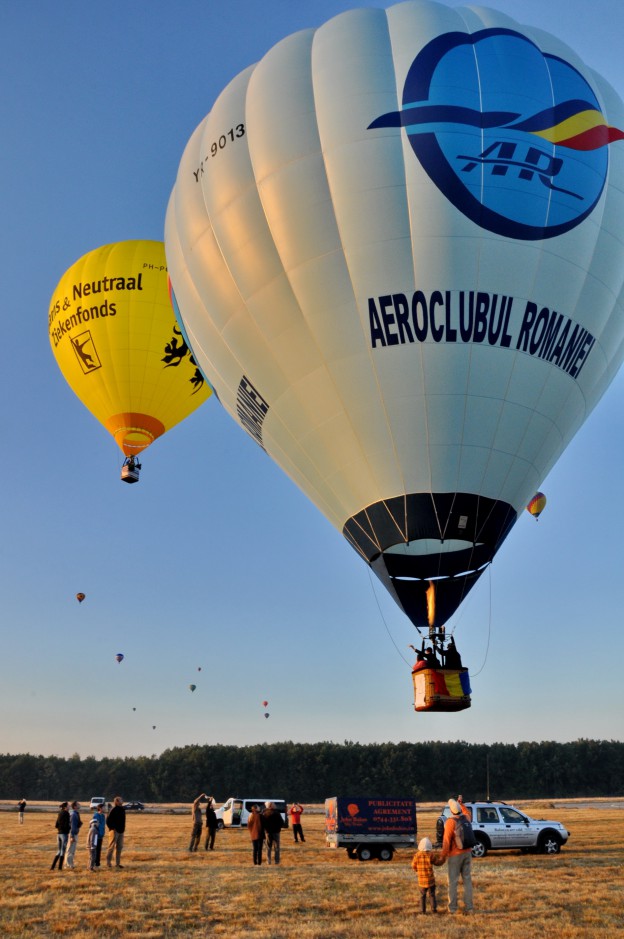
<point>101,821</point>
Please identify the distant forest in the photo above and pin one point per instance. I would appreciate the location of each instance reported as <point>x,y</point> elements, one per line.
<point>312,772</point>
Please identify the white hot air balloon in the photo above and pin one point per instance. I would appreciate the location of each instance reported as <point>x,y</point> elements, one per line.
<point>397,248</point>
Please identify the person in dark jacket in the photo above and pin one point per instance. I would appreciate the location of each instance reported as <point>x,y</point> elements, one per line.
<point>75,824</point>
<point>116,824</point>
<point>211,825</point>
<point>272,825</point>
<point>452,658</point>
<point>62,834</point>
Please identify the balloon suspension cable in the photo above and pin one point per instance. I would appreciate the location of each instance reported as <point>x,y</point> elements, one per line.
<point>487,647</point>
<point>384,620</point>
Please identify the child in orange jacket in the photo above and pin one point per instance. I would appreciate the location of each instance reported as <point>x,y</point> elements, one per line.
<point>423,862</point>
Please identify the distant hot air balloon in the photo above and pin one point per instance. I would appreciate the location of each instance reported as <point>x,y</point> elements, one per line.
<point>537,505</point>
<point>80,597</point>
<point>413,298</point>
<point>119,657</point>
<point>265,704</point>
<point>115,338</point>
<point>153,726</point>
<point>199,668</point>
<point>134,709</point>
<point>192,687</point>
<point>267,715</point>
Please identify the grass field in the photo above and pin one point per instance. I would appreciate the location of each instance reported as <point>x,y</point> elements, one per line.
<point>316,892</point>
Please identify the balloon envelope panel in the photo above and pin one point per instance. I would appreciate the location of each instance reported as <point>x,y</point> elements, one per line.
<point>115,338</point>
<point>397,247</point>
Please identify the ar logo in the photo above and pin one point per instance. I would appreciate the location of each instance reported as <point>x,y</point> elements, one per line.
<point>513,137</point>
<point>501,157</point>
<point>85,351</point>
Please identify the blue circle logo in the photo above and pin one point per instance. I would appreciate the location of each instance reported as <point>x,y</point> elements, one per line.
<point>513,137</point>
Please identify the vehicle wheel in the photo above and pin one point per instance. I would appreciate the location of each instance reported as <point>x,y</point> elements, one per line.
<point>385,853</point>
<point>352,853</point>
<point>550,844</point>
<point>364,853</point>
<point>220,825</point>
<point>481,847</point>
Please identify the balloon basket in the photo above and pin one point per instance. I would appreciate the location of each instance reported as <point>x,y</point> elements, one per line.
<point>130,472</point>
<point>444,689</point>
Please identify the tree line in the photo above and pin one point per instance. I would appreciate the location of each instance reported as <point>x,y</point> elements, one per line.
<point>311,772</point>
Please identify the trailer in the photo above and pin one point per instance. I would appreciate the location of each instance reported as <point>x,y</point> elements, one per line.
<point>370,827</point>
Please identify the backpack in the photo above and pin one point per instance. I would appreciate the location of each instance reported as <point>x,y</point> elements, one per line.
<point>464,835</point>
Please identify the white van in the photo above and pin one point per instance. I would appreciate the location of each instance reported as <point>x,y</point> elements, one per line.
<point>235,812</point>
<point>97,802</point>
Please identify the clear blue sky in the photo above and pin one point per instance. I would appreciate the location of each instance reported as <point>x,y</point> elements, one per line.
<point>215,560</point>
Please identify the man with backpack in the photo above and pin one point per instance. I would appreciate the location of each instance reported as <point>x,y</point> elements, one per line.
<point>457,847</point>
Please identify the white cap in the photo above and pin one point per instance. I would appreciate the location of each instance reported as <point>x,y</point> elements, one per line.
<point>424,844</point>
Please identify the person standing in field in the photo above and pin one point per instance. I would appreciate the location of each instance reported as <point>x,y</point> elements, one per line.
<point>296,811</point>
<point>422,863</point>
<point>211,825</point>
<point>459,861</point>
<point>101,822</point>
<point>21,808</point>
<point>116,824</point>
<point>62,826</point>
<point>272,824</point>
<point>196,812</point>
<point>75,824</point>
<point>256,833</point>
<point>93,839</point>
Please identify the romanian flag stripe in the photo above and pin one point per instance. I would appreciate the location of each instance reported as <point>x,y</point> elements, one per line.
<point>585,131</point>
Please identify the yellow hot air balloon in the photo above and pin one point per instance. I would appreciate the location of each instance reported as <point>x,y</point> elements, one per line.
<point>116,340</point>
<point>537,505</point>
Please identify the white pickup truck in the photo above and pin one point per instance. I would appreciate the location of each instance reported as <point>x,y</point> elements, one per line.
<point>498,825</point>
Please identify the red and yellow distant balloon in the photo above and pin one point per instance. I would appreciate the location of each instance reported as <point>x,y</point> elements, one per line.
<point>537,505</point>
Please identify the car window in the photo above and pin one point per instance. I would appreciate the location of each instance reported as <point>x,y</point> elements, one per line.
<point>512,816</point>
<point>487,815</point>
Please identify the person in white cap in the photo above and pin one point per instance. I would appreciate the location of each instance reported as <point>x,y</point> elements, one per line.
<point>459,861</point>
<point>422,863</point>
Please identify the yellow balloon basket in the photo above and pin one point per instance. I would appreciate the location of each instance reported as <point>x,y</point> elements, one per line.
<point>443,689</point>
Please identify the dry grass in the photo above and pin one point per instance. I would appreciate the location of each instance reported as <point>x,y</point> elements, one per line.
<point>316,893</point>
